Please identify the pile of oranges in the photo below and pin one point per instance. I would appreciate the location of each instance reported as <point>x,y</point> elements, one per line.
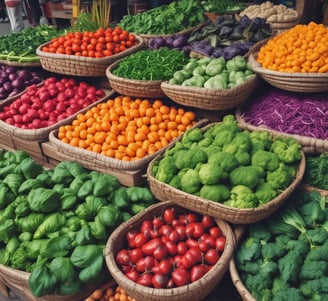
<point>110,294</point>
<point>127,129</point>
<point>303,48</point>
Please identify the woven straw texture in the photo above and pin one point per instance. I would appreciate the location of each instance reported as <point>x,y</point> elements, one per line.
<point>165,192</point>
<point>43,133</point>
<point>104,161</point>
<point>210,99</point>
<point>81,66</point>
<point>132,87</point>
<point>310,145</point>
<point>290,81</point>
<point>17,282</point>
<point>18,64</point>
<point>192,292</point>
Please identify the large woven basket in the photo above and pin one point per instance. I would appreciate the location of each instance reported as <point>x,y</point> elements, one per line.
<point>290,81</point>
<point>191,292</point>
<point>16,281</point>
<point>41,134</point>
<point>81,66</point>
<point>210,99</point>
<point>132,87</point>
<point>165,192</point>
<point>19,64</point>
<point>309,144</point>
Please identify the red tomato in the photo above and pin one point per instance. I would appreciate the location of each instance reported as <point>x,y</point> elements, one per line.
<point>215,231</point>
<point>180,277</point>
<point>160,252</point>
<point>169,215</point>
<point>140,240</point>
<point>182,248</point>
<point>145,264</point>
<point>207,221</point>
<point>164,267</point>
<point>194,230</point>
<point>123,257</point>
<point>174,236</point>
<point>160,281</point>
<point>135,255</point>
<point>220,243</point>
<point>171,247</point>
<point>145,279</point>
<point>181,231</point>
<point>149,247</point>
<point>146,225</point>
<point>197,272</point>
<point>133,274</point>
<point>157,222</point>
<point>211,256</point>
<point>165,230</point>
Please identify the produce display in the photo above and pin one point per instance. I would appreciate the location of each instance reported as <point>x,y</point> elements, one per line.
<point>316,171</point>
<point>159,64</point>
<point>303,48</point>
<point>14,80</point>
<point>96,44</point>
<point>55,100</point>
<point>228,37</point>
<point>177,41</point>
<point>229,165</point>
<point>288,112</point>
<point>223,6</point>
<point>270,12</point>
<point>213,73</point>
<point>21,47</point>
<point>55,222</point>
<point>171,250</point>
<point>285,256</point>
<point>165,19</point>
<point>127,129</point>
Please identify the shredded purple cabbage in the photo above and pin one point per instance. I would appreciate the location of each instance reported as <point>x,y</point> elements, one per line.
<point>289,112</point>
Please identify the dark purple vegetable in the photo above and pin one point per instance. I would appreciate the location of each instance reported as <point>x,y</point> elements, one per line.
<point>218,52</point>
<point>289,112</point>
<point>231,51</point>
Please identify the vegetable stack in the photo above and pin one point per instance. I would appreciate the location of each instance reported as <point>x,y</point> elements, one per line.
<point>226,164</point>
<point>54,223</point>
<point>286,256</point>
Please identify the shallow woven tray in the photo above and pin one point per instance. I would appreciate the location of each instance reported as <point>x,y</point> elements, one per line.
<point>191,292</point>
<point>41,134</point>
<point>165,192</point>
<point>81,66</point>
<point>17,282</point>
<point>210,99</point>
<point>290,81</point>
<point>104,161</point>
<point>310,145</point>
<point>133,87</point>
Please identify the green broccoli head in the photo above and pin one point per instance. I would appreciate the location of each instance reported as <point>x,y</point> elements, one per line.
<point>191,136</point>
<point>248,250</point>
<point>315,289</point>
<point>216,192</point>
<point>243,157</point>
<point>290,266</point>
<point>261,140</point>
<point>318,253</point>
<point>165,170</point>
<point>242,197</point>
<point>190,181</point>
<point>287,149</point>
<point>288,294</point>
<point>210,173</point>
<point>281,177</point>
<point>190,158</point>
<point>267,160</point>
<point>265,193</point>
<point>313,270</point>
<point>272,251</point>
<point>243,140</point>
<point>245,175</point>
<point>223,137</point>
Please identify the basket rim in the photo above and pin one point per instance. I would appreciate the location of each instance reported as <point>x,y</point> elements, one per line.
<point>137,219</point>
<point>18,64</point>
<point>104,60</point>
<point>267,207</point>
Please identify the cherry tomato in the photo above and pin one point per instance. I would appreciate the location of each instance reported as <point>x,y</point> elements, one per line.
<point>135,255</point>
<point>192,242</point>
<point>130,237</point>
<point>169,215</point>
<point>160,252</point>
<point>149,247</point>
<point>192,218</point>
<point>164,267</point>
<point>165,230</point>
<point>215,231</point>
<point>220,243</point>
<point>123,257</point>
<point>194,230</point>
<point>157,222</point>
<point>145,264</point>
<point>140,240</point>
<point>176,222</point>
<point>181,231</point>
<point>182,247</point>
<point>145,279</point>
<point>197,272</point>
<point>174,236</point>
<point>180,277</point>
<point>171,248</point>
<point>207,221</point>
<point>146,225</point>
<point>160,281</point>
<point>133,274</point>
<point>211,256</point>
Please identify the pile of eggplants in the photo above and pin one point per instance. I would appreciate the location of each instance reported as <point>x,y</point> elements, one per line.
<point>228,37</point>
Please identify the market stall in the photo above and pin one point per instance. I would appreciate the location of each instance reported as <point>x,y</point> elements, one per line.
<point>178,154</point>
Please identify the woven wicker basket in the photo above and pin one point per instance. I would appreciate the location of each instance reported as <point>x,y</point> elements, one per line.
<point>310,145</point>
<point>81,66</point>
<point>191,292</point>
<point>165,192</point>
<point>210,99</point>
<point>41,134</point>
<point>290,81</point>
<point>17,282</point>
<point>18,64</point>
<point>132,87</point>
